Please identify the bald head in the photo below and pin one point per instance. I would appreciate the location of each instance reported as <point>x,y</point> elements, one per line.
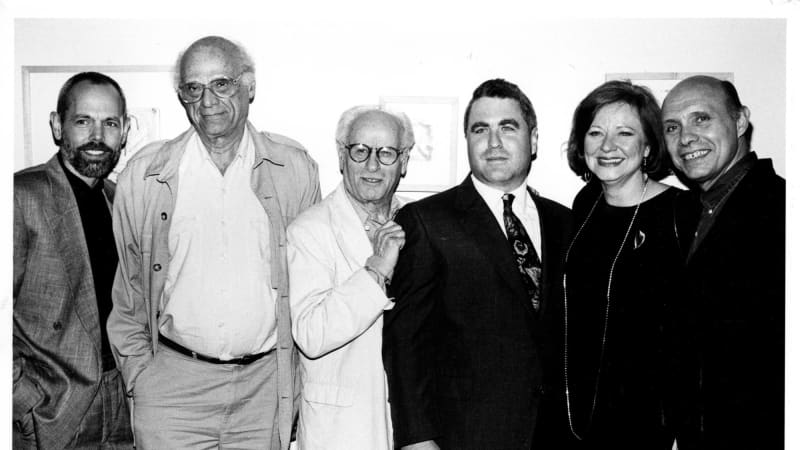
<point>233,54</point>
<point>706,128</point>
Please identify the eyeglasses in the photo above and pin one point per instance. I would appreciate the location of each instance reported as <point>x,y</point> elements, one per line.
<point>222,87</point>
<point>361,152</point>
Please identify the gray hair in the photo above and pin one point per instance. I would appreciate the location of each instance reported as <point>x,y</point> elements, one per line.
<point>231,48</point>
<point>350,116</point>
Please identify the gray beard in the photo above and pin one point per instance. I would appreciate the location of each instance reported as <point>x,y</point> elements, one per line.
<point>92,169</point>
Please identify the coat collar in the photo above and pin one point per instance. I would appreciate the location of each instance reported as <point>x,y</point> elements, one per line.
<point>167,160</point>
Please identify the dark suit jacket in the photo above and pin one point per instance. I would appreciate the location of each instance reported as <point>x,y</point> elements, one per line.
<point>57,362</point>
<point>463,347</point>
<point>730,325</point>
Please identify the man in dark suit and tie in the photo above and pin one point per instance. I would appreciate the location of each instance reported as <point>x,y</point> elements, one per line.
<point>68,392</point>
<point>465,345</point>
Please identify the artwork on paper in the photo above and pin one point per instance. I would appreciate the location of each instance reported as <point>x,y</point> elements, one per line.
<point>432,162</point>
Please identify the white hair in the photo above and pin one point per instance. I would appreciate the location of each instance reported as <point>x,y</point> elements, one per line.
<point>350,116</point>
<point>231,48</point>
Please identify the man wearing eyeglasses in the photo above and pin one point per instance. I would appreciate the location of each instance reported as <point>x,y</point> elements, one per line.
<point>466,344</point>
<point>342,254</point>
<point>200,325</point>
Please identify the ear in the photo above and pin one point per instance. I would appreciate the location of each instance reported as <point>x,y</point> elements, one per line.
<point>251,88</point>
<point>534,142</point>
<point>55,127</point>
<point>342,156</point>
<point>404,161</point>
<point>743,121</point>
<point>126,126</point>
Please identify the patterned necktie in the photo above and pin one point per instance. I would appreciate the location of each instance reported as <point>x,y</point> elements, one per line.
<point>528,263</point>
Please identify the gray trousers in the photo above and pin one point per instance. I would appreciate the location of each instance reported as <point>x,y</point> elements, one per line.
<point>180,402</point>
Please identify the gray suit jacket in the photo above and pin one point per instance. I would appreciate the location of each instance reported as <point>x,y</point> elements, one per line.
<point>57,362</point>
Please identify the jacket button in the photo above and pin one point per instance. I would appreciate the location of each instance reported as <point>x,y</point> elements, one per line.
<point>163,216</point>
<point>156,267</point>
<point>57,326</point>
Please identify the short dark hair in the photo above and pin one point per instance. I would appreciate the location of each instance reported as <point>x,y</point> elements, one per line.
<point>642,101</point>
<point>734,106</point>
<point>89,77</point>
<point>500,88</point>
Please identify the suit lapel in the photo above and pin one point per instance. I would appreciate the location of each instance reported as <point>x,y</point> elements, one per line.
<point>477,221</point>
<point>350,235</point>
<point>65,224</point>
<point>548,259</point>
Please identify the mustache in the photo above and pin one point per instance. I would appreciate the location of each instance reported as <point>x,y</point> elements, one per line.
<point>95,146</point>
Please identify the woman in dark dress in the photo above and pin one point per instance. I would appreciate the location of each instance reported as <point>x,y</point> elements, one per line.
<point>621,272</point>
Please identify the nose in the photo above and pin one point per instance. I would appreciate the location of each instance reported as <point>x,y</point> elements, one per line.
<point>494,139</point>
<point>372,164</point>
<point>608,143</point>
<point>97,132</point>
<point>687,136</point>
<point>208,98</point>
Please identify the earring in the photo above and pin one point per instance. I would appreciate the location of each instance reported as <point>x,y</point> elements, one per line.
<point>587,176</point>
<point>644,164</point>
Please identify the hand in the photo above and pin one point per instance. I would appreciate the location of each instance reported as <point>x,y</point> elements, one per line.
<point>425,445</point>
<point>389,239</point>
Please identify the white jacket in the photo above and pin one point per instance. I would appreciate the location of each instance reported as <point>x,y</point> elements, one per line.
<point>337,322</point>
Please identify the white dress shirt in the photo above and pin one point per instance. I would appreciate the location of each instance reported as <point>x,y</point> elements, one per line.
<point>217,298</point>
<point>523,206</point>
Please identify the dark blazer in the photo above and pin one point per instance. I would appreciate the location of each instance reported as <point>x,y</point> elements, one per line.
<point>57,362</point>
<point>463,347</point>
<point>730,325</point>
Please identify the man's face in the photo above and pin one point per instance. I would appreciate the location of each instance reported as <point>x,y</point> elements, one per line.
<point>93,129</point>
<point>702,137</point>
<point>217,119</point>
<point>499,143</point>
<point>371,182</point>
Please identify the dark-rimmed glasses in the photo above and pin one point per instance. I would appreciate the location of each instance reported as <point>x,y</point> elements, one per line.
<point>222,87</point>
<point>361,152</point>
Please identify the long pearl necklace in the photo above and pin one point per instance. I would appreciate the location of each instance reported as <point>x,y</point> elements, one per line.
<point>608,308</point>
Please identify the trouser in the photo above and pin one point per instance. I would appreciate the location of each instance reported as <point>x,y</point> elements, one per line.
<point>181,402</point>
<point>106,425</point>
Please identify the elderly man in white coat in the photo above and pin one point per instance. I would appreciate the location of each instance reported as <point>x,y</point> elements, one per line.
<point>342,254</point>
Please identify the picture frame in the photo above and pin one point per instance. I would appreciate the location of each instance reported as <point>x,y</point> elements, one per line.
<point>433,159</point>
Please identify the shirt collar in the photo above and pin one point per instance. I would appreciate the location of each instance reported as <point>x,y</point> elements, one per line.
<point>727,182</point>
<point>362,213</point>
<point>494,197</point>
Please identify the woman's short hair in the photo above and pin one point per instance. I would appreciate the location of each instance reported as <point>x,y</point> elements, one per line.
<point>642,101</point>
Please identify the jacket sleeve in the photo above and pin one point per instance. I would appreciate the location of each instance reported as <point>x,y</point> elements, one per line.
<point>128,329</point>
<point>409,340</point>
<point>327,315</point>
<point>26,394</point>
<point>312,194</point>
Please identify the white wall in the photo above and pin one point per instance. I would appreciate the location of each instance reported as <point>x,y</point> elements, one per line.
<point>309,72</point>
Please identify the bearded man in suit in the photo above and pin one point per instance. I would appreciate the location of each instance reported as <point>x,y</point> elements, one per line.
<point>67,389</point>
<point>466,343</point>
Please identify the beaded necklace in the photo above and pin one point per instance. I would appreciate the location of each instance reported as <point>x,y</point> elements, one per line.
<point>605,321</point>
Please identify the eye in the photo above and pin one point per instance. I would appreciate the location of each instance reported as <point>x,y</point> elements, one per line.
<point>669,129</point>
<point>508,128</point>
<point>82,122</point>
<point>700,118</point>
<point>479,130</point>
<point>386,153</point>
<point>112,123</point>
<point>626,133</point>
<point>594,133</point>
<point>221,83</point>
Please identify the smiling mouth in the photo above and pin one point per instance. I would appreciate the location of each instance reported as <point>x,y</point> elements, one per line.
<point>609,161</point>
<point>372,180</point>
<point>94,152</point>
<point>695,155</point>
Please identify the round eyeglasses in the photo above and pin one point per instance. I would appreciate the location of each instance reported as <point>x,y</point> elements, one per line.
<point>361,152</point>
<point>222,87</point>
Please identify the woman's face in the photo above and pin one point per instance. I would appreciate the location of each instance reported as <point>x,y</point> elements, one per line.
<point>615,145</point>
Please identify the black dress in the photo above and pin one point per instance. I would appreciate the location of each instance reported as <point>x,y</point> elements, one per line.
<point>629,408</point>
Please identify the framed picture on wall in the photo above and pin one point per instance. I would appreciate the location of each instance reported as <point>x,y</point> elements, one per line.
<point>660,83</point>
<point>432,164</point>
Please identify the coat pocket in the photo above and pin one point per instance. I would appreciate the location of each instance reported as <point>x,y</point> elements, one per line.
<point>328,394</point>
